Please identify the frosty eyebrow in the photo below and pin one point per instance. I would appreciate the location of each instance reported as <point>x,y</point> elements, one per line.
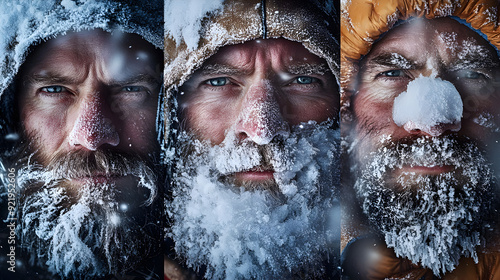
<point>393,60</point>
<point>308,69</point>
<point>474,61</point>
<point>222,69</point>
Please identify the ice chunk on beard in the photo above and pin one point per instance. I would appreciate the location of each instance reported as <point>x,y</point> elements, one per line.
<point>249,234</point>
<point>432,220</point>
<point>85,232</point>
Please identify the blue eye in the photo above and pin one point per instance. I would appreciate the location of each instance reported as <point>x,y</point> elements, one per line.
<point>53,89</point>
<point>217,82</point>
<point>304,80</point>
<point>392,73</point>
<point>473,75</point>
<point>132,88</point>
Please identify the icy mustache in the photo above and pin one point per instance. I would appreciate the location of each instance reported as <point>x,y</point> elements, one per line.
<point>231,157</point>
<point>235,156</point>
<point>429,152</point>
<point>81,164</point>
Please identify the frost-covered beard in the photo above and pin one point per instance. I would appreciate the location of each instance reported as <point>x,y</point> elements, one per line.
<point>432,220</point>
<point>239,233</point>
<point>88,230</point>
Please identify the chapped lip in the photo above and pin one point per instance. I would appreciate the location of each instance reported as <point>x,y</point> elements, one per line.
<point>428,170</point>
<point>257,173</point>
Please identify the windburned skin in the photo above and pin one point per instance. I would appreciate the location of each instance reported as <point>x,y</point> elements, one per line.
<point>91,89</point>
<point>304,88</point>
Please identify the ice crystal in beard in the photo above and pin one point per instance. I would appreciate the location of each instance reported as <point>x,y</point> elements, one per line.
<point>249,234</point>
<point>92,230</point>
<point>432,220</point>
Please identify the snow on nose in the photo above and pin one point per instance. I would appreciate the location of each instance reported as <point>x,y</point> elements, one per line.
<point>260,119</point>
<point>92,129</point>
<point>429,105</point>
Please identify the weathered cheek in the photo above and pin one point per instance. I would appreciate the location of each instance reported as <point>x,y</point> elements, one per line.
<point>318,111</point>
<point>138,130</point>
<point>372,116</point>
<point>48,126</point>
<point>210,122</point>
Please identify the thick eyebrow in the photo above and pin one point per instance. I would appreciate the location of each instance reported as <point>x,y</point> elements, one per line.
<point>308,69</point>
<point>222,69</point>
<point>474,60</point>
<point>393,60</point>
<point>50,78</point>
<point>141,78</point>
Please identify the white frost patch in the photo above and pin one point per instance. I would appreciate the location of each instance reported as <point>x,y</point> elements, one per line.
<point>426,103</point>
<point>261,119</point>
<point>466,50</point>
<point>487,120</point>
<point>400,61</point>
<point>92,128</point>
<point>183,19</point>
<point>449,39</point>
<point>68,4</point>
<point>471,46</point>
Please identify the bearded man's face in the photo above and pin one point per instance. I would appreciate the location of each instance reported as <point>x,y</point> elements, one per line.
<point>426,135</point>
<point>88,166</point>
<point>255,184</point>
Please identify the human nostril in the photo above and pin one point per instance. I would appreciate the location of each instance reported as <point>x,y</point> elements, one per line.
<point>241,135</point>
<point>431,130</point>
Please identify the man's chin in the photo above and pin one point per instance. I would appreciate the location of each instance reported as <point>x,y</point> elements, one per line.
<point>125,182</point>
<point>89,227</point>
<point>429,196</point>
<point>247,232</point>
<point>97,180</point>
<point>253,177</point>
<point>91,234</point>
<point>411,179</point>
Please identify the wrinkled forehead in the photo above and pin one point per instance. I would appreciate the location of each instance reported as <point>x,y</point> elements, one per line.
<point>445,38</point>
<point>118,53</point>
<point>276,52</point>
